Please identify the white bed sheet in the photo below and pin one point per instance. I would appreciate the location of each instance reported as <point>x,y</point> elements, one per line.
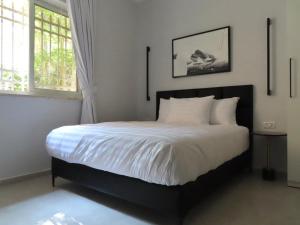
<point>151,151</point>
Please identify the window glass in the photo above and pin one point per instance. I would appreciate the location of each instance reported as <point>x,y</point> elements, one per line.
<point>54,65</point>
<point>14,45</point>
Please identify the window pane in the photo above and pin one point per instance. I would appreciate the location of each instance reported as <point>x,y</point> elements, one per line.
<point>7,13</point>
<point>46,26</point>
<point>46,14</point>
<point>7,3</point>
<point>18,17</point>
<point>54,64</point>
<point>20,7</point>
<point>68,24</point>
<point>38,12</point>
<point>38,60</point>
<point>54,29</point>
<point>38,23</point>
<point>14,45</point>
<point>7,44</point>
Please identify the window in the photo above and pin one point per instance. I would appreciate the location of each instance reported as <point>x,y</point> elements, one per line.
<point>14,45</point>
<point>36,49</point>
<point>54,66</point>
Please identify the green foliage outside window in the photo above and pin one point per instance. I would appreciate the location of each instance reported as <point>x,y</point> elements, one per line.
<point>54,66</point>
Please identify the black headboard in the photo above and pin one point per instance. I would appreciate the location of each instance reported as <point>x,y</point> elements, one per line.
<point>244,113</point>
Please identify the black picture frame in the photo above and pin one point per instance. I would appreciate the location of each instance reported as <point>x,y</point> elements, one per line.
<point>204,61</point>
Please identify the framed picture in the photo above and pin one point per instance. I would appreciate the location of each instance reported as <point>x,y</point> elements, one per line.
<point>203,53</point>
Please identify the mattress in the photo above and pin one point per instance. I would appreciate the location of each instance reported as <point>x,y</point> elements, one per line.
<point>151,151</point>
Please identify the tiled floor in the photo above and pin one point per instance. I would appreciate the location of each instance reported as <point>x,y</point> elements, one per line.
<point>246,200</point>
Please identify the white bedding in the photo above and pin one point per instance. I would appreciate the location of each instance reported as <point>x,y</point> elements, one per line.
<point>151,151</point>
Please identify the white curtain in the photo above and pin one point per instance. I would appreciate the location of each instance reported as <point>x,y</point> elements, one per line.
<point>81,13</point>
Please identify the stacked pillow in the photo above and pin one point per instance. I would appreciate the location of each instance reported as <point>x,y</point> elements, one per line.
<point>223,111</point>
<point>198,111</point>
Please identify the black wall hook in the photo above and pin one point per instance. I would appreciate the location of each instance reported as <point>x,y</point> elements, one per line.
<point>269,91</point>
<point>147,74</point>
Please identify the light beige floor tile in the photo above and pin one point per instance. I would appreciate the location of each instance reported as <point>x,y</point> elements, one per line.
<point>246,200</point>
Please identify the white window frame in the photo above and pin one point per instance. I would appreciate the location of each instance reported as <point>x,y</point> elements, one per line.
<point>58,6</point>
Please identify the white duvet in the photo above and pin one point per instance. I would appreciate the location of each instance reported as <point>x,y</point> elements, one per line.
<point>151,151</point>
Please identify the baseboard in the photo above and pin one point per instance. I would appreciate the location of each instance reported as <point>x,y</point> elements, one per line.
<point>294,184</point>
<point>25,176</point>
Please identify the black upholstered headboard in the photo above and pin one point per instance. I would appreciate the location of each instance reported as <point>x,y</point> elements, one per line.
<point>244,112</point>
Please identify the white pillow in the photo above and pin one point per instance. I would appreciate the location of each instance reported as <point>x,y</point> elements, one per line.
<point>190,111</point>
<point>223,111</point>
<point>164,109</point>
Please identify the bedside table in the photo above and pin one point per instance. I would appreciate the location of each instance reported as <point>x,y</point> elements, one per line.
<point>268,173</point>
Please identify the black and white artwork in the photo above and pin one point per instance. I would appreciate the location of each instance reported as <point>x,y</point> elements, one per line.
<point>203,53</point>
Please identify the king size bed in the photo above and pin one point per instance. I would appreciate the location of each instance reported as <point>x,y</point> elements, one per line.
<point>162,166</point>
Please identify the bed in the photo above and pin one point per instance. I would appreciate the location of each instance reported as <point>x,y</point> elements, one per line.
<point>168,186</point>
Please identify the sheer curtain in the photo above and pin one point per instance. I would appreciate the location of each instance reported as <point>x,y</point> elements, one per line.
<point>81,13</point>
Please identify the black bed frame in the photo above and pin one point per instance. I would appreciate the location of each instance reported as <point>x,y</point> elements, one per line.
<point>171,199</point>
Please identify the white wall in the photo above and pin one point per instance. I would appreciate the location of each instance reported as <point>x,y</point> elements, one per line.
<point>123,29</point>
<point>25,121</point>
<point>115,80</point>
<point>24,125</point>
<point>159,21</point>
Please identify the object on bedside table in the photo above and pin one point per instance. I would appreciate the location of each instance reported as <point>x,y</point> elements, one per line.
<point>268,173</point>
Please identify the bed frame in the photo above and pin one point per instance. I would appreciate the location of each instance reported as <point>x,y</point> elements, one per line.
<point>171,199</point>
